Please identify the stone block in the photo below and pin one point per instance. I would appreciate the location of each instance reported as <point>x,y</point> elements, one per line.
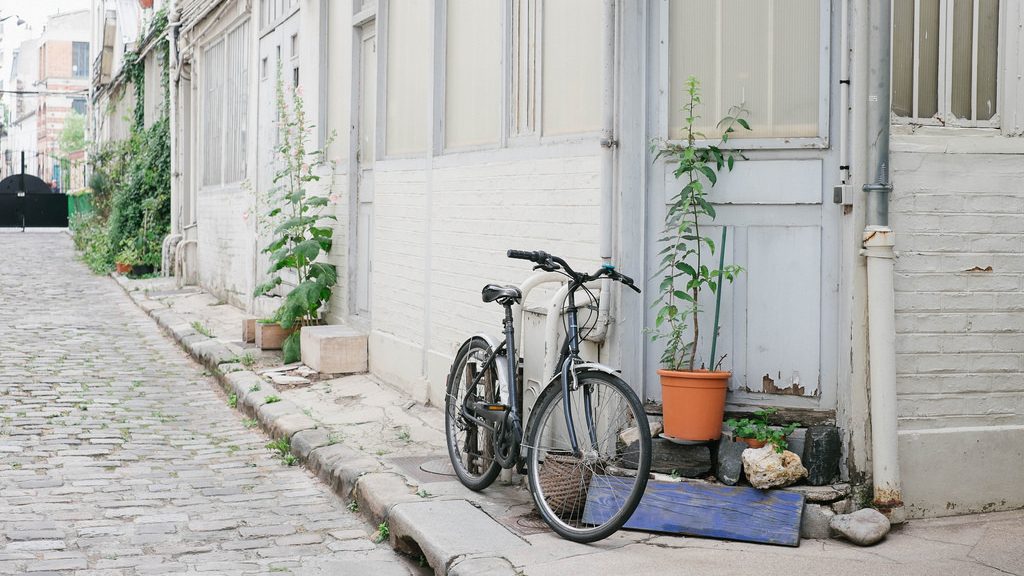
<point>438,529</point>
<point>271,336</point>
<point>821,454</point>
<point>815,521</point>
<point>686,460</point>
<point>334,349</point>
<point>729,461</point>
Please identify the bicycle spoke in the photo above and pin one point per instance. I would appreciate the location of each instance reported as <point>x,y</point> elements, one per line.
<point>566,485</point>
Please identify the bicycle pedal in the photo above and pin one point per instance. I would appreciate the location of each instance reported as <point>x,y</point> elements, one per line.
<point>488,410</point>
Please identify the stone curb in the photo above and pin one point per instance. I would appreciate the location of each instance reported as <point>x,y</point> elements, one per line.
<point>354,476</point>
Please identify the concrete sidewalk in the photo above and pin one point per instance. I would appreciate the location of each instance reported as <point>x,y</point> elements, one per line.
<point>386,454</point>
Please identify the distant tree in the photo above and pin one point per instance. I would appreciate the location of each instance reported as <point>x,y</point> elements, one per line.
<point>72,137</point>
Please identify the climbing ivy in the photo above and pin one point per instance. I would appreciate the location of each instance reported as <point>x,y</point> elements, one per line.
<point>131,178</point>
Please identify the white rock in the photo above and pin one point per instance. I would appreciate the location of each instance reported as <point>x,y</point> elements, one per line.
<point>865,526</point>
<point>630,435</point>
<point>765,468</point>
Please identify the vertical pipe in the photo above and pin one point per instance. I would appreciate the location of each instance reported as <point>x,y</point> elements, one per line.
<point>173,21</point>
<point>608,145</point>
<point>878,248</point>
<point>607,128</point>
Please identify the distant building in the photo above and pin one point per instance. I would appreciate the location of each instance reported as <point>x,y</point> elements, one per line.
<point>49,70</point>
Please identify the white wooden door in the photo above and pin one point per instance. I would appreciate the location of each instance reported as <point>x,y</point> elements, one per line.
<point>778,329</point>
<point>365,153</point>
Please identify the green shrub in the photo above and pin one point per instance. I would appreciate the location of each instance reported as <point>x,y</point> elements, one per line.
<point>91,236</point>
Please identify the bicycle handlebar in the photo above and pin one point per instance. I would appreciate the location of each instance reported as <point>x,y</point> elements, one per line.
<point>550,263</point>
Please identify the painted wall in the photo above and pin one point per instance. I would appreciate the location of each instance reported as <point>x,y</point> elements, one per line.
<point>441,239</point>
<point>956,209</point>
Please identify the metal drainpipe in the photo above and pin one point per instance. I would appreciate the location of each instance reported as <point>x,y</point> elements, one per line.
<point>172,106</point>
<point>878,242</point>
<point>608,144</point>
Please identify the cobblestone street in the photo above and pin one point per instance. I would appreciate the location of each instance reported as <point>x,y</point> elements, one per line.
<point>119,455</point>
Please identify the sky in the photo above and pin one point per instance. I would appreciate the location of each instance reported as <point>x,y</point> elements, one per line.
<point>34,12</point>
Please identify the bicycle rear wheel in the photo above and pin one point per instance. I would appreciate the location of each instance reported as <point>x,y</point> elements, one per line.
<point>470,446</point>
<point>588,497</point>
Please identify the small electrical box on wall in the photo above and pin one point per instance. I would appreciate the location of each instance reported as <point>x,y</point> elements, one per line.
<point>842,194</point>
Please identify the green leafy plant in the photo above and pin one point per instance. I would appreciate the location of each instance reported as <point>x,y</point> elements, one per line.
<point>683,272</point>
<point>295,217</point>
<point>759,428</point>
<point>281,445</point>
<point>382,532</point>
<point>91,235</point>
<point>130,179</point>
<point>233,400</point>
<point>202,328</point>
<point>353,506</point>
<point>272,398</point>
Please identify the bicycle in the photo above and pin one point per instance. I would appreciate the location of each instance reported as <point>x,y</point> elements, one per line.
<point>587,452</point>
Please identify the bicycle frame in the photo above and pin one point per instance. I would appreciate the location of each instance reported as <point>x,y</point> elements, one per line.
<point>504,357</point>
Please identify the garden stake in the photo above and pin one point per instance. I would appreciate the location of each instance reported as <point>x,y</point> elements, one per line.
<point>718,299</point>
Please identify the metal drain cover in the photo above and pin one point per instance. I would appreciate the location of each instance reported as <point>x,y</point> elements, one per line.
<point>443,467</point>
<point>525,524</point>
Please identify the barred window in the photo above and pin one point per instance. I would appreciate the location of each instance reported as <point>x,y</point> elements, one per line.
<point>225,90</point>
<point>945,61</point>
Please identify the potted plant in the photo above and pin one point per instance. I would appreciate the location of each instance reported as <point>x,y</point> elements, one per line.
<point>139,255</point>
<point>127,256</point>
<point>757,431</point>
<point>693,396</point>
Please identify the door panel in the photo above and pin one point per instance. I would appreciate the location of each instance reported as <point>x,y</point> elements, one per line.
<point>363,217</point>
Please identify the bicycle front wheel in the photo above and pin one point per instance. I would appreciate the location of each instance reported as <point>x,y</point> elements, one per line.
<point>470,446</point>
<point>588,496</point>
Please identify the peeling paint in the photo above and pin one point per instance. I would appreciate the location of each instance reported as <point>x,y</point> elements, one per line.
<point>769,387</point>
<point>979,269</point>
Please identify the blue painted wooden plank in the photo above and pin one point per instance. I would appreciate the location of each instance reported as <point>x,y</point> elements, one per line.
<point>732,512</point>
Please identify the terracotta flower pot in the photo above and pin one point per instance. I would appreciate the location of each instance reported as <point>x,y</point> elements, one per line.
<point>693,403</point>
<point>123,268</point>
<point>753,442</point>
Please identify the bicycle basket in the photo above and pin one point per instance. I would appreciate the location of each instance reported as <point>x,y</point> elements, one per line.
<point>564,480</point>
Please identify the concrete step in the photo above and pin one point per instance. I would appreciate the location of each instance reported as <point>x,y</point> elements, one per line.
<point>334,349</point>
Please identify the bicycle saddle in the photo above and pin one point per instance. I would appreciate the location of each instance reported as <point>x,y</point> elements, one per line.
<point>502,294</point>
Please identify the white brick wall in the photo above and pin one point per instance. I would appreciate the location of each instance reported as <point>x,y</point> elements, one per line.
<point>225,247</point>
<point>959,223</point>
<point>955,216</point>
<point>477,212</point>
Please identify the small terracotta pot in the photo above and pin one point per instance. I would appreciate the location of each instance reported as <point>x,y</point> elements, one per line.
<point>693,403</point>
<point>123,268</point>
<point>753,442</point>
